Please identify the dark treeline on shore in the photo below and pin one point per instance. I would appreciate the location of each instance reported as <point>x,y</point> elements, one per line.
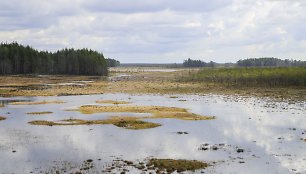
<point>250,62</point>
<point>197,63</point>
<point>112,62</point>
<point>19,59</point>
<point>269,62</point>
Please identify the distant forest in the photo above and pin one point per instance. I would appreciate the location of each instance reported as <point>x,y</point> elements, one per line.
<point>19,59</point>
<point>270,61</point>
<point>112,62</point>
<point>250,62</point>
<point>197,63</point>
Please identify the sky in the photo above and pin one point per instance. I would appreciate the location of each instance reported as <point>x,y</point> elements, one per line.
<point>160,31</point>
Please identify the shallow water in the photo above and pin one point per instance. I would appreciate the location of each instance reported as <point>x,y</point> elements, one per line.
<point>269,133</point>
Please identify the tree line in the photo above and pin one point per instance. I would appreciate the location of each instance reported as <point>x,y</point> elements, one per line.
<point>112,62</point>
<point>250,62</point>
<point>197,63</point>
<point>269,62</point>
<point>19,59</point>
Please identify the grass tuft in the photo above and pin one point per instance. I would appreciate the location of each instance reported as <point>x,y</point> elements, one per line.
<point>2,118</point>
<point>171,165</point>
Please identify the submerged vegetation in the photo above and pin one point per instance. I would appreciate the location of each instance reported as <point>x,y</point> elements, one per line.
<point>250,77</point>
<point>123,122</point>
<point>37,103</point>
<point>172,165</point>
<point>2,118</point>
<point>156,111</point>
<point>39,113</point>
<point>111,102</point>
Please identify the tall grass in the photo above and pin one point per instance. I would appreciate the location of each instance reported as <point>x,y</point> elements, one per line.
<point>268,77</point>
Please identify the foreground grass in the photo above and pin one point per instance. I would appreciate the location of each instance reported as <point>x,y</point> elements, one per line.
<point>172,165</point>
<point>179,82</point>
<point>123,122</point>
<point>262,77</point>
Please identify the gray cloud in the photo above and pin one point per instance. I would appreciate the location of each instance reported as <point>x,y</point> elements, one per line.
<point>160,31</point>
<point>136,6</point>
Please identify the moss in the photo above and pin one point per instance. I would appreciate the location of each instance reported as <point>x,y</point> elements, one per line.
<point>2,118</point>
<point>136,124</point>
<point>123,122</point>
<point>156,111</point>
<point>171,165</point>
<point>39,113</point>
<point>111,102</point>
<point>37,103</point>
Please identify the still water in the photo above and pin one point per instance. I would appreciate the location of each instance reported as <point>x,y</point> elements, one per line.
<point>270,133</point>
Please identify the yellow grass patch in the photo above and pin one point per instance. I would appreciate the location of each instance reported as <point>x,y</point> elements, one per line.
<point>156,111</point>
<point>111,102</point>
<point>39,113</point>
<point>37,103</point>
<point>123,122</point>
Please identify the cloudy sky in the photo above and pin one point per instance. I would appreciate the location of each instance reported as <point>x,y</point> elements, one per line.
<point>151,31</point>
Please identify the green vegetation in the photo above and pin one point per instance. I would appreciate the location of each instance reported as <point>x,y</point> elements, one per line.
<point>171,165</point>
<point>250,77</point>
<point>18,59</point>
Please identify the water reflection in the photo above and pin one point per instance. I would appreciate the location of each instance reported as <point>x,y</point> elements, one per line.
<point>266,134</point>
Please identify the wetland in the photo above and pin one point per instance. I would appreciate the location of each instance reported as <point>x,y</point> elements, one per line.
<point>148,121</point>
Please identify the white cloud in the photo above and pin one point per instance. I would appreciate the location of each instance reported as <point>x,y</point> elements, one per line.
<point>160,31</point>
